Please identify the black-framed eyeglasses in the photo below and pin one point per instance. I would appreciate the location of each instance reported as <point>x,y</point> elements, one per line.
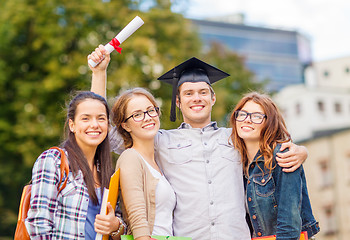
<point>255,117</point>
<point>140,115</point>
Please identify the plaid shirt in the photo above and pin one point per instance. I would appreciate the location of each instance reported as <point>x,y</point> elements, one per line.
<point>61,216</point>
<point>53,216</point>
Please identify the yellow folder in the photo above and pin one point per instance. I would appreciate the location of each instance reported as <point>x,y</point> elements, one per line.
<point>113,193</point>
<point>303,236</point>
<point>114,189</point>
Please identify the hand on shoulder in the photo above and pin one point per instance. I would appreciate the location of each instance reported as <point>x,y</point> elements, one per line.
<point>293,158</point>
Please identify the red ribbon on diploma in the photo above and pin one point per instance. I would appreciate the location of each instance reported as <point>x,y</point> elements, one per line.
<point>115,43</point>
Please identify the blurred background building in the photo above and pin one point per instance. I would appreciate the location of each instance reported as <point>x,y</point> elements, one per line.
<point>320,105</point>
<point>277,55</point>
<point>327,172</point>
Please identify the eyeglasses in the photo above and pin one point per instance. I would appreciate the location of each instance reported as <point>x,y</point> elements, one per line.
<point>140,116</point>
<point>255,117</point>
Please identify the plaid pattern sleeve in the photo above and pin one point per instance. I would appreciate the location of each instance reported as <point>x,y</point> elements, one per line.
<point>53,216</point>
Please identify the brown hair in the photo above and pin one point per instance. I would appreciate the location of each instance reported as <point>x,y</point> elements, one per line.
<point>77,160</point>
<point>274,130</point>
<point>119,111</point>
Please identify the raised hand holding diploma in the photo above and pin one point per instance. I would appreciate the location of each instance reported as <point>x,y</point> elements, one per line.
<point>121,37</point>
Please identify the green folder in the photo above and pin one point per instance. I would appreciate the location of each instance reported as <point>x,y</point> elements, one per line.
<point>130,237</point>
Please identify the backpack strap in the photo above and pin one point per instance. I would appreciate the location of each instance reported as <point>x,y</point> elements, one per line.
<point>64,167</point>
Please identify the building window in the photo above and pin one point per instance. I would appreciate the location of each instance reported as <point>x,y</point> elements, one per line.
<point>298,109</point>
<point>325,73</point>
<point>329,226</point>
<point>320,106</point>
<point>326,180</point>
<point>337,107</point>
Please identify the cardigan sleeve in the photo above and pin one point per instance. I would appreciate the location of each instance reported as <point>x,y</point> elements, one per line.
<point>132,189</point>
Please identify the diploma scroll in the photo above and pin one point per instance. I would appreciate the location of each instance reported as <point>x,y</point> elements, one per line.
<point>121,37</point>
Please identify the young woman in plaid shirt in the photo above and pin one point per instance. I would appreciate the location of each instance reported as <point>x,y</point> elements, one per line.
<point>73,212</point>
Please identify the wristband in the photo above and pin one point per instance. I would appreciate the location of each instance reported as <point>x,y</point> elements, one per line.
<point>120,229</point>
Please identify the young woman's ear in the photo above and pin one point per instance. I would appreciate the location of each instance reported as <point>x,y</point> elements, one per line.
<point>126,127</point>
<point>71,125</point>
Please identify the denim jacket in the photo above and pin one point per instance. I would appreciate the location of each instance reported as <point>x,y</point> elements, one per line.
<point>278,202</point>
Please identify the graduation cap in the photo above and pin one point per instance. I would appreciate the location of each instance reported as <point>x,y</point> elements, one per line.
<point>192,70</point>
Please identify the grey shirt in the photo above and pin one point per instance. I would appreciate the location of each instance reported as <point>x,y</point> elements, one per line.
<point>205,172</point>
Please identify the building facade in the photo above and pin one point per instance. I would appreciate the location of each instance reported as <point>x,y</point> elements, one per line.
<point>328,179</point>
<point>332,73</point>
<point>323,103</point>
<point>279,56</point>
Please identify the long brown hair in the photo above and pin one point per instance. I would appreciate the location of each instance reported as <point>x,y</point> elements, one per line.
<point>274,130</point>
<point>77,160</point>
<point>119,111</point>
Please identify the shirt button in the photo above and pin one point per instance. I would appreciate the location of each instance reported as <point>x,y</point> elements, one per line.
<point>178,145</point>
<point>259,234</point>
<point>211,202</point>
<point>209,181</point>
<point>212,223</point>
<point>254,217</point>
<point>205,144</point>
<point>207,161</point>
<point>249,199</point>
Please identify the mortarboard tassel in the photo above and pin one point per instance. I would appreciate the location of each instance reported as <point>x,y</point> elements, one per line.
<point>173,99</point>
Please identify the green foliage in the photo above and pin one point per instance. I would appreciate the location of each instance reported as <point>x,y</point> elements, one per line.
<point>43,49</point>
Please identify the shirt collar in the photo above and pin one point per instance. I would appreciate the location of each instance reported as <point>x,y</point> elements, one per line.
<point>210,126</point>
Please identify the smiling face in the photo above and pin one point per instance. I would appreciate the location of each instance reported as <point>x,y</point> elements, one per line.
<point>145,129</point>
<point>196,102</point>
<point>90,124</point>
<point>247,130</point>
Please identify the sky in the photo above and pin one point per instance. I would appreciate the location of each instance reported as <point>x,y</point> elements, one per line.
<point>326,23</point>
